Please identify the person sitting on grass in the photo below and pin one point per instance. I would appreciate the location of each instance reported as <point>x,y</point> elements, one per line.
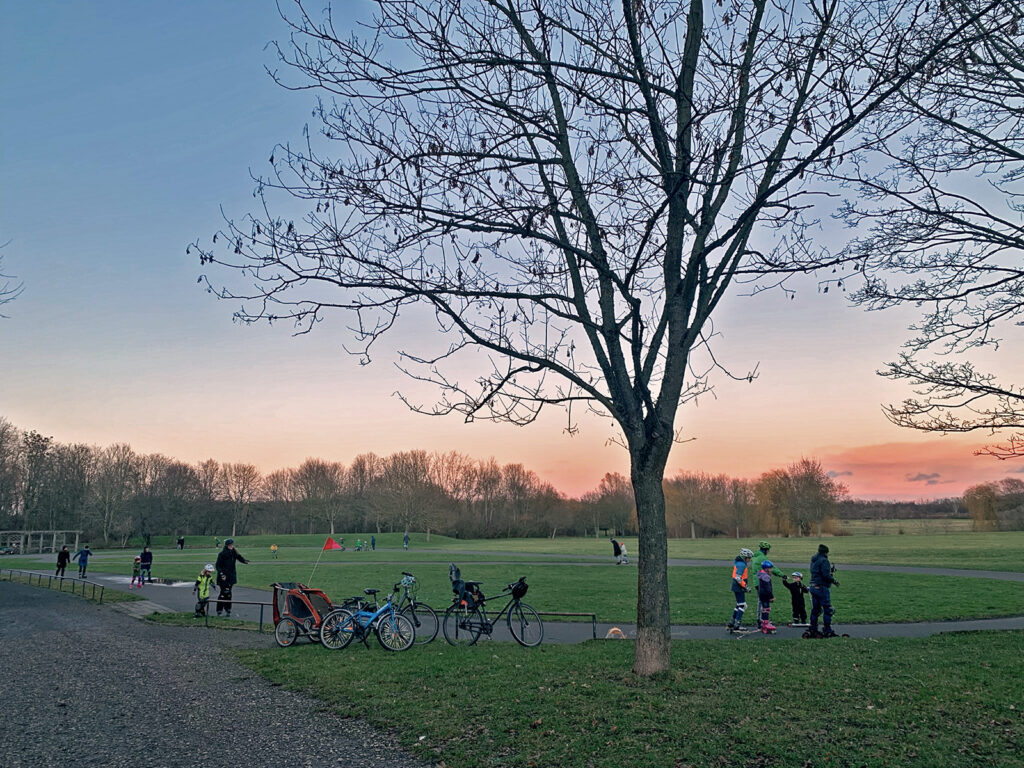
<point>201,590</point>
<point>136,573</point>
<point>797,590</point>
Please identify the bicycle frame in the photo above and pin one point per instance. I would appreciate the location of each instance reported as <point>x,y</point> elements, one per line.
<point>366,620</point>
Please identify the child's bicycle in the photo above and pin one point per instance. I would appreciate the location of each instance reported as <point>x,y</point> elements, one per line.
<point>394,631</point>
<point>467,618</point>
<point>423,617</point>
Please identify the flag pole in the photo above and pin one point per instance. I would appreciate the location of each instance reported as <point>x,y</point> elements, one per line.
<point>316,564</point>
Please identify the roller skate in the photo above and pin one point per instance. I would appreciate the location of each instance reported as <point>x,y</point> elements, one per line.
<point>811,634</point>
<point>767,627</point>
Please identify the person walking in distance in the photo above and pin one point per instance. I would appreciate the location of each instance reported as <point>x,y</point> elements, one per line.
<point>226,575</point>
<point>82,558</point>
<point>63,558</point>
<point>405,541</point>
<point>616,551</point>
<point>146,558</point>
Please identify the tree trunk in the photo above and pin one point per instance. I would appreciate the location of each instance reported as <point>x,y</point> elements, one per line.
<point>653,632</point>
<point>233,527</point>
<point>819,529</point>
<point>693,530</point>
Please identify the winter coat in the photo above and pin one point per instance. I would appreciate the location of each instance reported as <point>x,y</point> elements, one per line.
<point>764,587</point>
<point>797,590</point>
<point>226,566</point>
<point>203,585</point>
<point>616,548</point>
<point>82,556</point>
<point>147,558</point>
<point>740,572</point>
<point>760,557</point>
<point>63,558</point>
<point>821,571</point>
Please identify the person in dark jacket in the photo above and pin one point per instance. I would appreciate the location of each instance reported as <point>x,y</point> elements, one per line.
<point>63,558</point>
<point>82,557</point>
<point>146,559</point>
<point>616,551</point>
<point>797,590</point>
<point>226,575</point>
<point>765,597</point>
<point>821,596</point>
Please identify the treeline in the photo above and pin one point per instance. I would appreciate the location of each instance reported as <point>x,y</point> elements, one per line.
<point>113,493</point>
<point>996,506</point>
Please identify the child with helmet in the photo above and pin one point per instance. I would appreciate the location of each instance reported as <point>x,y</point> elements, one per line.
<point>740,576</point>
<point>203,585</point>
<point>136,573</point>
<point>797,590</point>
<point>765,597</point>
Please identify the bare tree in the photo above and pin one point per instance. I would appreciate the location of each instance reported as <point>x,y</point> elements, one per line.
<point>947,225</point>
<point>318,486</point>
<point>118,472</point>
<point>242,484</point>
<point>569,190</point>
<point>9,290</point>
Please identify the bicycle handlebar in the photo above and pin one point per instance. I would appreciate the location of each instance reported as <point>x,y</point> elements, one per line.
<point>406,573</point>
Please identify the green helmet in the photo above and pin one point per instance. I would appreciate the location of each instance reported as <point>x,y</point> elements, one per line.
<point>764,545</point>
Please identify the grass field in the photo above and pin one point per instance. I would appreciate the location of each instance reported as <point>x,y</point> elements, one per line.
<point>108,595</point>
<point>986,551</point>
<point>699,595</point>
<point>949,701</point>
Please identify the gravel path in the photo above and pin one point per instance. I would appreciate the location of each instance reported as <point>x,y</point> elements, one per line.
<point>87,686</point>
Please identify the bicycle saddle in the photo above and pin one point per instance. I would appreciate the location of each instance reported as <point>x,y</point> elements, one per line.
<point>371,591</point>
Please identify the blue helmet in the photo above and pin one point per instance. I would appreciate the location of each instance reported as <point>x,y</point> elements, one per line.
<point>767,564</point>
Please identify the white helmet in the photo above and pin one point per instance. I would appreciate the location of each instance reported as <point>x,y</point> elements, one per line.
<point>744,553</point>
<point>208,567</point>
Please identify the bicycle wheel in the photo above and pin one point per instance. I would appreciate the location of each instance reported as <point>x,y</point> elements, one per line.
<point>424,618</point>
<point>462,626</point>
<point>525,625</point>
<point>337,629</point>
<point>286,632</point>
<point>395,633</point>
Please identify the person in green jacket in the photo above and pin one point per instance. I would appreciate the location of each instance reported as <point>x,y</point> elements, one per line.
<point>760,557</point>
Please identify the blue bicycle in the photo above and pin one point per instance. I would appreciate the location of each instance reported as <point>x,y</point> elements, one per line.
<point>394,631</point>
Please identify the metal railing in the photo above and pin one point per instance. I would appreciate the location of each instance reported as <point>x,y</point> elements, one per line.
<point>212,603</point>
<point>593,618</point>
<point>88,588</point>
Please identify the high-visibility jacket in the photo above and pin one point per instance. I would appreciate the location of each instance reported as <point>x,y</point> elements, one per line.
<point>740,572</point>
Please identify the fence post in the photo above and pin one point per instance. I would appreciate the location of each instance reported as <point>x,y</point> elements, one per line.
<point>261,618</point>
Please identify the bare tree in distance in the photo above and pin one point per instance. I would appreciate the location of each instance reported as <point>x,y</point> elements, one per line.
<point>9,290</point>
<point>569,190</point>
<point>948,228</point>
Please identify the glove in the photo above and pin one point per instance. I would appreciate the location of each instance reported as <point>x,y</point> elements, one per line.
<point>835,582</point>
<point>785,578</point>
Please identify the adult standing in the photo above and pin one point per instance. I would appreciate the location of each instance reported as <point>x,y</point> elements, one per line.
<point>63,558</point>
<point>373,543</point>
<point>226,575</point>
<point>181,542</point>
<point>82,558</point>
<point>146,560</point>
<point>405,541</point>
<point>821,596</point>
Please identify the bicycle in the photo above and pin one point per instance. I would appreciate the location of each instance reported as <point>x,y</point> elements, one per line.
<point>394,631</point>
<point>467,618</point>
<point>422,616</point>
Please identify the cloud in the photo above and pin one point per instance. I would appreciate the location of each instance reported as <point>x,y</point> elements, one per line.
<point>1016,471</point>
<point>931,478</point>
<point>833,473</point>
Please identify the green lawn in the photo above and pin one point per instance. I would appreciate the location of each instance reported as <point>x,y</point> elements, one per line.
<point>699,595</point>
<point>72,587</point>
<point>941,702</point>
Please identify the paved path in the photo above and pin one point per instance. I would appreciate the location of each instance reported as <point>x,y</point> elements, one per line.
<point>179,598</point>
<point>87,686</point>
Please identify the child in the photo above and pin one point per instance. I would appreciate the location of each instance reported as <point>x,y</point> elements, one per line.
<point>797,590</point>
<point>765,596</point>
<point>136,572</point>
<point>740,571</point>
<point>202,589</point>
<point>273,551</point>
<point>625,554</point>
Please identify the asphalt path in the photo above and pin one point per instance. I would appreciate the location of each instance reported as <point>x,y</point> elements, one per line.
<point>89,686</point>
<point>178,597</point>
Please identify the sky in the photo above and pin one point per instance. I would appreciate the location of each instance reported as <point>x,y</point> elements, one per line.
<point>129,130</point>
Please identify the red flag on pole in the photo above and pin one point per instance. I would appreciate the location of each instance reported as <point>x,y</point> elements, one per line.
<point>330,544</point>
